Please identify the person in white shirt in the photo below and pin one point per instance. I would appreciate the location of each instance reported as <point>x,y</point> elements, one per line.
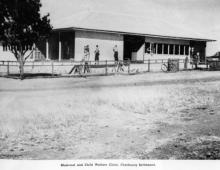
<point>86,59</point>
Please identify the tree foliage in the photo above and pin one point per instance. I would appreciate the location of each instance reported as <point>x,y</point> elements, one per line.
<point>22,24</point>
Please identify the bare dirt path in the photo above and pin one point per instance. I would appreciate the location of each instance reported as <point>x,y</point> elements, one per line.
<point>150,116</point>
<point>40,84</point>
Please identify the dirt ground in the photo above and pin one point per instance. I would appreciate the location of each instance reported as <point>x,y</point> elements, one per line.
<point>148,116</point>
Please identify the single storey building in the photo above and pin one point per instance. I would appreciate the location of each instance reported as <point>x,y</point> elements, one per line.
<point>137,39</point>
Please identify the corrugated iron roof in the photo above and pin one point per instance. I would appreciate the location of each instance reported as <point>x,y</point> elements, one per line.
<point>127,24</point>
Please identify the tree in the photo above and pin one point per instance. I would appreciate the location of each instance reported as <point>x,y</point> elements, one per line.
<point>21,26</point>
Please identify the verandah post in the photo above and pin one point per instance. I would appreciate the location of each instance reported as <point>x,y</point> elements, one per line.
<point>47,49</point>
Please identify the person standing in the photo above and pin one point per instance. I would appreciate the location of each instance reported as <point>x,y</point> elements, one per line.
<point>97,53</point>
<point>196,59</point>
<point>115,50</point>
<point>86,53</point>
<point>86,59</point>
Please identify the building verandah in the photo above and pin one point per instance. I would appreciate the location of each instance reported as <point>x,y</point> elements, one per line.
<point>166,48</point>
<point>59,46</point>
<point>162,48</point>
<point>68,45</point>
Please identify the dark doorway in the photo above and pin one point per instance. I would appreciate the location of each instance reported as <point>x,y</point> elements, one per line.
<point>199,46</point>
<point>132,43</point>
<point>54,46</point>
<point>40,51</point>
<point>68,45</point>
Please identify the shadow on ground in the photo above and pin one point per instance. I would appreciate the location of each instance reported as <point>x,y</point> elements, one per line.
<point>32,75</point>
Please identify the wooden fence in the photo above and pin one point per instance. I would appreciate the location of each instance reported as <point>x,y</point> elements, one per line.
<point>101,68</point>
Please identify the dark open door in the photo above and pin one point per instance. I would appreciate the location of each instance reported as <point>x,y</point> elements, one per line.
<point>199,46</point>
<point>132,43</point>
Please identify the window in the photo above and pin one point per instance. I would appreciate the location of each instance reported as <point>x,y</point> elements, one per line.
<point>171,49</point>
<point>165,49</point>
<point>147,48</point>
<point>4,47</point>
<point>177,49</point>
<point>153,48</point>
<point>159,49</point>
<point>181,49</point>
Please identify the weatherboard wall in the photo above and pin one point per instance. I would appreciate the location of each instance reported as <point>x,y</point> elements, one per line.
<point>105,41</point>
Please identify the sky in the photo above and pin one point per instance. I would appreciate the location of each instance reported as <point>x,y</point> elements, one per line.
<point>201,16</point>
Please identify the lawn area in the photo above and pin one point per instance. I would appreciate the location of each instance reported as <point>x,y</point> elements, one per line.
<point>146,116</point>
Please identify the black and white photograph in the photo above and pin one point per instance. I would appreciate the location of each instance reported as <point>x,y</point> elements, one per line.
<point>110,80</point>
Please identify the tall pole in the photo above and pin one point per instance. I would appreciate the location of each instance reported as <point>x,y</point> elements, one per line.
<point>47,49</point>
<point>184,50</point>
<point>60,48</point>
<point>168,49</point>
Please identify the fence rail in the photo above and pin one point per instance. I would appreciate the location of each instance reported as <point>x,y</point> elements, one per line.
<point>104,67</point>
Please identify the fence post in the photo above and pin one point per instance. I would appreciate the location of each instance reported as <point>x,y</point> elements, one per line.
<point>32,64</point>
<point>185,63</point>
<point>106,67</point>
<point>8,68</point>
<point>52,66</point>
<point>148,65</point>
<point>129,63</point>
<point>178,64</point>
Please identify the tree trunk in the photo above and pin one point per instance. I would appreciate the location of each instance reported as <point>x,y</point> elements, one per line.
<point>21,66</point>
